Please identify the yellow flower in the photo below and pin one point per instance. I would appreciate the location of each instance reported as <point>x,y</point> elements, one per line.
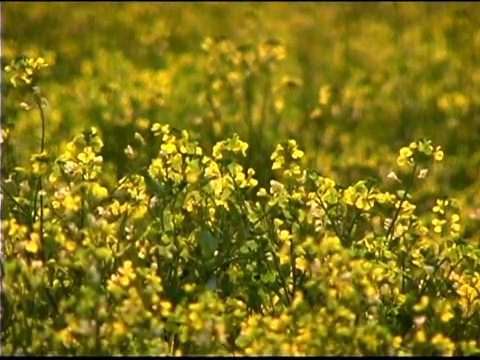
<point>300,263</point>
<point>217,150</point>
<point>440,206</point>
<point>400,229</point>
<point>324,95</point>
<point>65,336</point>
<point>275,324</point>
<point>87,155</point>
<point>405,154</point>
<point>279,104</point>
<point>5,133</point>
<point>119,328</point>
<point>32,245</point>
<point>284,235</point>
<point>468,292</point>
<point>297,154</point>
<point>262,192</point>
<point>397,342</point>
<point>363,203</point>
<point>128,273</point>
<point>455,226</point>
<point>169,148</point>
<point>72,202</point>
<point>278,163</point>
<point>447,314</point>
<point>438,225</point>
<point>420,336</point>
<point>99,191</point>
<point>438,154</point>
<point>70,245</point>
<point>328,183</point>
<point>424,301</point>
<point>444,342</point>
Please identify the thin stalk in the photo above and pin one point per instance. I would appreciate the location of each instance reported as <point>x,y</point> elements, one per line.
<point>335,229</point>
<point>10,196</point>
<point>404,197</point>
<point>38,101</point>
<point>294,269</point>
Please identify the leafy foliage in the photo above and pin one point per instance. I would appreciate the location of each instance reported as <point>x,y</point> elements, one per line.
<point>130,235</point>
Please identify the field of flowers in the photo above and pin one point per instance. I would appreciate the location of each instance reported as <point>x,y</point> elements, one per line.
<point>240,178</point>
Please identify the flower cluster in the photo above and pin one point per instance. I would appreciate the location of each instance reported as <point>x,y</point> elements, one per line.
<point>136,238</point>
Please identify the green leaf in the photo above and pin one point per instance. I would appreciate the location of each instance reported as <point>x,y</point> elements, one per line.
<point>207,242</point>
<point>268,278</point>
<point>252,245</point>
<point>244,249</point>
<point>103,253</point>
<point>153,186</point>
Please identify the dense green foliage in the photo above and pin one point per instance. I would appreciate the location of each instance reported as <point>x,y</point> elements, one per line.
<point>259,178</point>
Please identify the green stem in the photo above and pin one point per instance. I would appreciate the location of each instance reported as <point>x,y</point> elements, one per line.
<point>38,101</point>
<point>294,269</point>
<point>404,197</point>
<point>10,196</point>
<point>335,228</point>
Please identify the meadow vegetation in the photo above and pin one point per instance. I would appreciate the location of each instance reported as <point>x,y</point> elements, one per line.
<point>240,179</point>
